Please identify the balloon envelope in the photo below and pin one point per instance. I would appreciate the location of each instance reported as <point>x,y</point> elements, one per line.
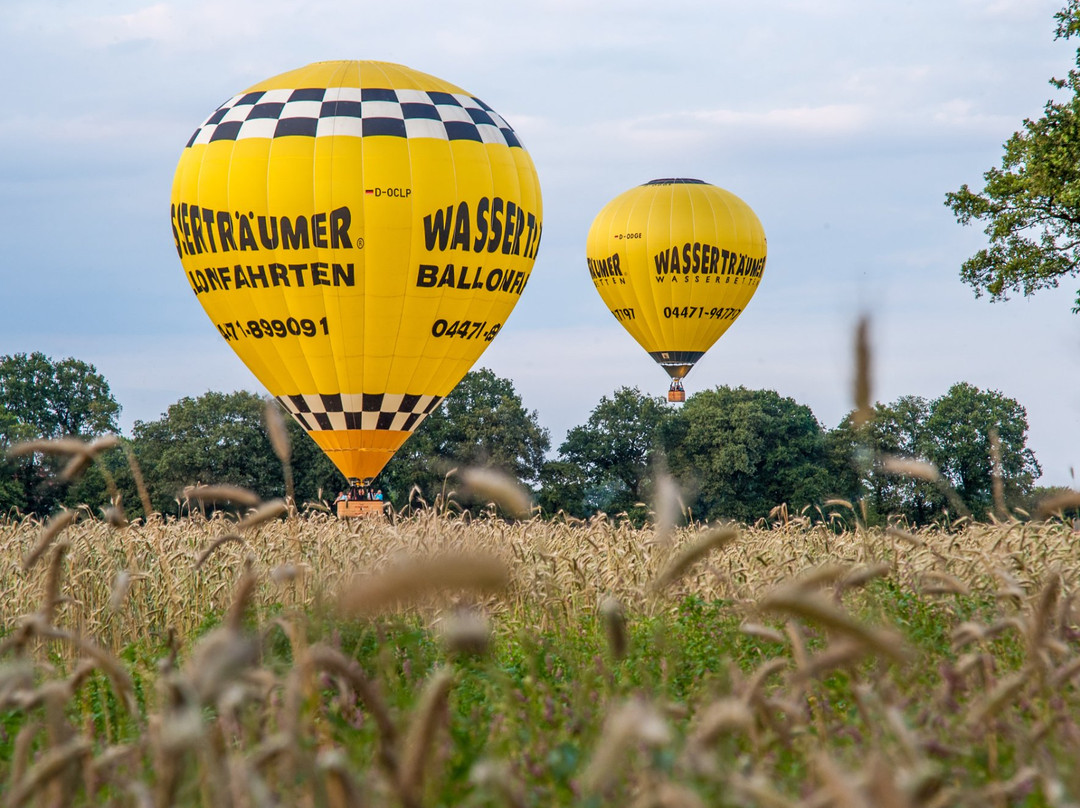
<point>676,261</point>
<point>358,232</point>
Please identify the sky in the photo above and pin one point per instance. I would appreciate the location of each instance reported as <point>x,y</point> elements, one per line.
<point>842,123</point>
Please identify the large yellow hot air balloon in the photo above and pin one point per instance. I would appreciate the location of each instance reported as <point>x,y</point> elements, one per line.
<point>676,261</point>
<point>358,232</point>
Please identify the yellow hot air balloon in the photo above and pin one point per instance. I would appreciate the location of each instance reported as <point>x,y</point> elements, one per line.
<point>676,261</point>
<point>358,232</point>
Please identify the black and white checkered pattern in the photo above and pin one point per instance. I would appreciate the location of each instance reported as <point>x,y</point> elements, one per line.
<point>390,411</point>
<point>355,112</point>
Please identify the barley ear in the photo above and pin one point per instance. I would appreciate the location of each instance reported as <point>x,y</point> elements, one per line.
<point>420,738</point>
<point>864,410</point>
<point>279,440</point>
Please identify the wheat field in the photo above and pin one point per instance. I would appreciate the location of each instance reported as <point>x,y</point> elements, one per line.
<point>445,659</point>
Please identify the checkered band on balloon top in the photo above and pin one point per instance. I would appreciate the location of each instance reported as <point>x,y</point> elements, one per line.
<point>355,112</point>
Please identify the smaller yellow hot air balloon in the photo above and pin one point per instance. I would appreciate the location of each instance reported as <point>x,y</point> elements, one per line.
<point>676,261</point>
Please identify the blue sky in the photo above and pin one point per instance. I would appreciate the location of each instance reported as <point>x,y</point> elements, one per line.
<point>843,123</point>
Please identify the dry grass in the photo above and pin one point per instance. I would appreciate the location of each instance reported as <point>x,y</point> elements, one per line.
<point>177,572</point>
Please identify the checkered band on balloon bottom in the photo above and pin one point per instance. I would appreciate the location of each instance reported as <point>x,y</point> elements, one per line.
<point>399,412</point>
<point>360,432</point>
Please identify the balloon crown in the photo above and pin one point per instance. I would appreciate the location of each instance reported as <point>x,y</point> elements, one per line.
<point>676,181</point>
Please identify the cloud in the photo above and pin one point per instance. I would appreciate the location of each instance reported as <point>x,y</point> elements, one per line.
<point>85,130</point>
<point>188,26</point>
<point>157,23</point>
<point>961,114</point>
<point>829,120</point>
<point>1015,9</point>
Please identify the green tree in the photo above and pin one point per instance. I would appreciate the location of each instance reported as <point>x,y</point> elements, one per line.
<point>12,481</point>
<point>847,458</point>
<point>952,432</point>
<point>957,441</point>
<point>221,438</point>
<point>46,398</point>
<point>745,451</point>
<point>616,449</point>
<point>481,423</point>
<point>563,488</point>
<point>900,430</point>
<point>1030,206</point>
<point>856,454</point>
<point>57,398</point>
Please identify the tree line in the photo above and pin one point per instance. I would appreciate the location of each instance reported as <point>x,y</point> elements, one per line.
<point>733,453</point>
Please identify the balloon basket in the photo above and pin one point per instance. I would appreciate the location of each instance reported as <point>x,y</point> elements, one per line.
<point>676,396</point>
<point>360,508</point>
